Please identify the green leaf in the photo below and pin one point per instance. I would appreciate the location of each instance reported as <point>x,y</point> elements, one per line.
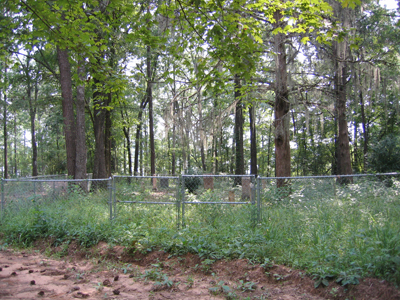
<point>305,39</point>
<point>325,282</point>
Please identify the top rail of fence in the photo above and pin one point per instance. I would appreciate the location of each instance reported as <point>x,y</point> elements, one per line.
<point>331,176</point>
<point>55,180</point>
<point>46,176</point>
<point>212,175</point>
<point>195,175</point>
<point>139,177</point>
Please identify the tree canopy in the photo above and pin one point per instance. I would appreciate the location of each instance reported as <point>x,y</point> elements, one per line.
<point>303,87</point>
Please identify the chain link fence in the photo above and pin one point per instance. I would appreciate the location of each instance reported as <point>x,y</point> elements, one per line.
<point>26,193</point>
<point>217,200</point>
<point>151,198</point>
<point>194,200</point>
<point>304,192</point>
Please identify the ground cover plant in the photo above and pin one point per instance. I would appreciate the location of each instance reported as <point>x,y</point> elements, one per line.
<point>332,232</point>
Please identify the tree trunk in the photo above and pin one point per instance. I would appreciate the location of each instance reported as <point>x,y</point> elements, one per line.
<point>143,105</point>
<point>68,109</point>
<point>5,134</point>
<point>253,141</point>
<point>175,109</point>
<point>239,153</point>
<point>32,114</point>
<point>80,155</point>
<point>151,121</point>
<point>173,154</point>
<point>365,131</point>
<point>128,146</point>
<point>15,146</point>
<point>269,154</point>
<point>282,106</point>
<point>343,154</point>
<point>108,137</point>
<point>202,136</point>
<point>99,166</point>
<point>355,151</point>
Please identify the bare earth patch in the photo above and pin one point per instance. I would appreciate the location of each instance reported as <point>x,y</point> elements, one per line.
<point>105,272</point>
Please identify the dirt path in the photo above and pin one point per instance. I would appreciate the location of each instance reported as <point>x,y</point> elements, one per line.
<point>31,275</point>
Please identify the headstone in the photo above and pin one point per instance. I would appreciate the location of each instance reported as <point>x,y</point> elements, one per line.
<point>246,187</point>
<point>231,196</point>
<point>154,180</point>
<point>208,183</point>
<point>142,186</point>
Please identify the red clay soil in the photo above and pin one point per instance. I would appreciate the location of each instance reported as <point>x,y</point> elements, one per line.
<point>106,272</point>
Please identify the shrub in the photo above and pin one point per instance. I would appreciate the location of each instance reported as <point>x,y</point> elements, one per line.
<point>192,183</point>
<point>385,155</point>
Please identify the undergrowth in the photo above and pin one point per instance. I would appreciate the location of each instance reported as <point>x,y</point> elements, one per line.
<point>342,234</point>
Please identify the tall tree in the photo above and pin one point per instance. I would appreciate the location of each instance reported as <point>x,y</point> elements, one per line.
<point>80,154</point>
<point>4,87</point>
<point>238,132</point>
<point>340,57</point>
<point>253,140</point>
<point>68,109</point>
<point>282,104</point>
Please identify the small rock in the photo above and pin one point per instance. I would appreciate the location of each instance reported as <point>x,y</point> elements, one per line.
<point>30,271</point>
<point>13,274</point>
<point>6,266</point>
<point>83,295</point>
<point>65,276</point>
<point>1,269</point>
<point>131,275</point>
<point>116,292</point>
<point>76,288</point>
<point>33,282</point>
<point>41,293</point>
<point>107,283</point>
<point>116,278</point>
<point>42,271</point>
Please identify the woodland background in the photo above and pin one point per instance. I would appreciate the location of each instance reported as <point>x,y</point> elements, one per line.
<point>305,87</point>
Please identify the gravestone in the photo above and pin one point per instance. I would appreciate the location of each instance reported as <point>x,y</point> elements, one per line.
<point>208,183</point>
<point>246,187</point>
<point>154,180</point>
<point>231,196</point>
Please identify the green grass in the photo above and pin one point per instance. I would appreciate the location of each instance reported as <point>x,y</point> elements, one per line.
<point>331,231</point>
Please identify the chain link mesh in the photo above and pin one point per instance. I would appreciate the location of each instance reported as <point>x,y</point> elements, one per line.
<point>19,194</point>
<point>217,200</point>
<point>151,198</point>
<point>308,192</point>
<point>195,200</point>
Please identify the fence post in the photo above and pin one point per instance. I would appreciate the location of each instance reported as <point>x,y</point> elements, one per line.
<point>178,201</point>
<point>109,186</point>
<point>2,198</point>
<point>253,201</point>
<point>258,187</point>
<point>183,199</point>
<point>54,190</point>
<point>114,196</point>
<point>34,189</point>
<point>334,186</point>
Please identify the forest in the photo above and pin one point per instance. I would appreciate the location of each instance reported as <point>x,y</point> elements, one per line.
<point>264,87</point>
